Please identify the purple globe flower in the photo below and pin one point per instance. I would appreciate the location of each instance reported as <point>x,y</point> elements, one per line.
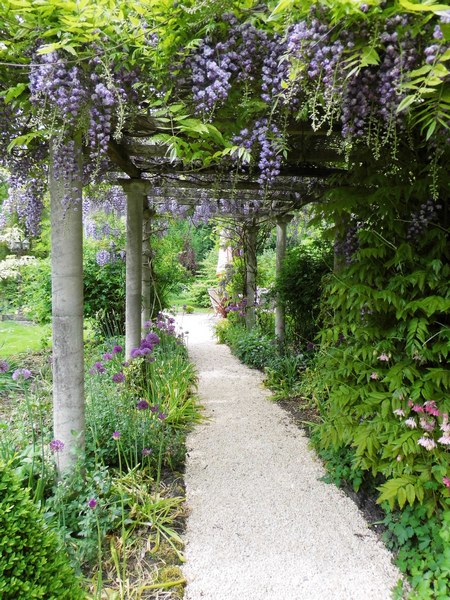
<point>116,435</point>
<point>146,451</point>
<point>118,377</point>
<point>4,366</point>
<point>142,405</point>
<point>107,356</point>
<point>92,503</point>
<point>117,349</point>
<point>162,416</point>
<point>20,374</point>
<point>56,445</point>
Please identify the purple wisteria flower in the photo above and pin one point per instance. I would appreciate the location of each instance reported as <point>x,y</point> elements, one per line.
<point>56,445</point>
<point>142,405</point>
<point>116,435</point>
<point>4,366</point>
<point>118,377</point>
<point>21,374</point>
<point>92,503</point>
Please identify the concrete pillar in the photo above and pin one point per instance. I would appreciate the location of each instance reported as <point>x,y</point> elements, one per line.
<point>147,274</point>
<point>136,192</point>
<point>280,317</point>
<point>250,239</point>
<point>67,304</point>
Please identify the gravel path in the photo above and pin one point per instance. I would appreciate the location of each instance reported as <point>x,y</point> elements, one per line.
<point>262,526</point>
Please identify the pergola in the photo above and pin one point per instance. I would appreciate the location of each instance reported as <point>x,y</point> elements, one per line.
<point>148,175</point>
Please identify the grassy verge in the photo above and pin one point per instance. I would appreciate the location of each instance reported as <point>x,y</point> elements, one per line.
<point>17,337</point>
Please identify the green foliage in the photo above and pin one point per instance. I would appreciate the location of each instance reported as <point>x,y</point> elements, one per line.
<point>299,288</point>
<point>253,348</point>
<point>206,278</point>
<point>384,356</point>
<point>32,563</point>
<point>422,547</point>
<point>283,375</point>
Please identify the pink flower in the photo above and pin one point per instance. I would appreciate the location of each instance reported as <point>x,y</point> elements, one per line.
<point>446,481</point>
<point>445,425</point>
<point>427,424</point>
<point>116,435</point>
<point>418,408</point>
<point>399,412</point>
<point>431,408</point>
<point>427,443</point>
<point>445,439</point>
<point>411,423</point>
<point>374,375</point>
<point>383,357</point>
<point>56,445</point>
<point>399,457</point>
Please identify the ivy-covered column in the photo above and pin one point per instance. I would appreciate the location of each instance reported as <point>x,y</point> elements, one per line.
<point>250,239</point>
<point>147,274</point>
<point>136,191</point>
<point>67,302</point>
<point>280,317</point>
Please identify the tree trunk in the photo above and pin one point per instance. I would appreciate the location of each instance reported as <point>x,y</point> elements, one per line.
<point>250,237</point>
<point>67,307</point>
<point>280,316</point>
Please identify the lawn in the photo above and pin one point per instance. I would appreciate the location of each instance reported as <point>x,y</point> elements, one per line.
<point>16,337</point>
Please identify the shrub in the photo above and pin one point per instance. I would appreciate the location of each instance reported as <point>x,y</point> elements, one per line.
<point>299,288</point>
<point>32,562</point>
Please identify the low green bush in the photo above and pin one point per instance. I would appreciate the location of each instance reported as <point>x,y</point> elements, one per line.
<point>33,564</point>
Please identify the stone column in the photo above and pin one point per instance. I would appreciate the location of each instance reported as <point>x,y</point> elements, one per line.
<point>136,192</point>
<point>250,239</point>
<point>67,304</point>
<point>280,317</point>
<point>147,274</point>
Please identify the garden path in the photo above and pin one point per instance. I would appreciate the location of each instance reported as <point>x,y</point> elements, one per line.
<point>262,525</point>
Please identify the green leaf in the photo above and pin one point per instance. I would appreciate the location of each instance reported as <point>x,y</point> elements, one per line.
<point>423,7</point>
<point>24,140</point>
<point>407,101</point>
<point>282,6</point>
<point>15,91</point>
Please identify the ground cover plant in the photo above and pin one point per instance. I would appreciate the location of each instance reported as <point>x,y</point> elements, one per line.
<point>118,514</point>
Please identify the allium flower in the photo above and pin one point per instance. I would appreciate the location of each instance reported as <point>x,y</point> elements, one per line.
<point>20,374</point>
<point>162,416</point>
<point>135,353</point>
<point>107,356</point>
<point>97,368</point>
<point>383,357</point>
<point>374,375</point>
<point>146,451</point>
<point>399,412</point>
<point>427,443</point>
<point>92,503</point>
<point>446,481</point>
<point>147,324</point>
<point>118,377</point>
<point>116,435</point>
<point>154,408</point>
<point>117,349</point>
<point>411,423</point>
<point>142,405</point>
<point>56,445</point>
<point>152,338</point>
<point>4,366</point>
